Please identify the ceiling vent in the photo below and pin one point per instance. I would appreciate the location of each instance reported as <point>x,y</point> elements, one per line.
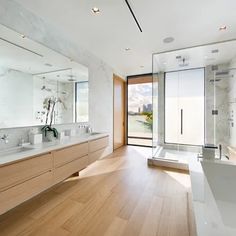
<point>133,15</point>
<point>215,51</point>
<point>21,47</point>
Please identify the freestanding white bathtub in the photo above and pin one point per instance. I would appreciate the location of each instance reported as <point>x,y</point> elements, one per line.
<point>214,197</point>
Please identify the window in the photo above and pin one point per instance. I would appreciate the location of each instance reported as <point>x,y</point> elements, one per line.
<point>81,101</point>
<point>140,110</point>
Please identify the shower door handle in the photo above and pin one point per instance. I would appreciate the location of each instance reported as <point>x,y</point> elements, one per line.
<point>181,121</point>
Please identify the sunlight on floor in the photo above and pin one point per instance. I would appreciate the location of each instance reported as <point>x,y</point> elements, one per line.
<point>181,179</point>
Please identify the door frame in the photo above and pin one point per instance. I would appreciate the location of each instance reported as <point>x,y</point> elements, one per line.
<point>204,79</point>
<point>127,103</point>
<point>115,76</point>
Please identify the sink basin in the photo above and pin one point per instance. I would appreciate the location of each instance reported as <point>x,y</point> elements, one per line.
<point>94,133</point>
<point>91,134</point>
<point>15,150</point>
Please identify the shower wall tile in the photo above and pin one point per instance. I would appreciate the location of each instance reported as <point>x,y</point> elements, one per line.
<point>216,98</point>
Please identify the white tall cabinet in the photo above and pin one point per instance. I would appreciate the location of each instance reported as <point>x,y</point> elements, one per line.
<point>184,107</point>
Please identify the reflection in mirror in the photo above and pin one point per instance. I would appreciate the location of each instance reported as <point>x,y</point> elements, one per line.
<point>81,91</point>
<point>191,105</point>
<point>31,75</point>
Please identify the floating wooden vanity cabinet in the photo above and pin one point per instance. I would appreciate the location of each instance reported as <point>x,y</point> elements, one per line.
<point>97,148</point>
<point>23,180</point>
<point>69,160</point>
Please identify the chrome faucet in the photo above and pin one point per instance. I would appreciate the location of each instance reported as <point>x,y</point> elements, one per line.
<point>90,130</point>
<point>4,138</point>
<point>220,151</point>
<point>21,142</point>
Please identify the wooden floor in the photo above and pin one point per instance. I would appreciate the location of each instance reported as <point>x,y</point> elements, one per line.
<point>119,195</point>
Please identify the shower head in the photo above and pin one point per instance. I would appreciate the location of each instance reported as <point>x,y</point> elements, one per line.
<point>222,73</point>
<point>45,88</point>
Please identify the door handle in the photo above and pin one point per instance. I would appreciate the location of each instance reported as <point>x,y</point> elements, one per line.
<point>181,121</point>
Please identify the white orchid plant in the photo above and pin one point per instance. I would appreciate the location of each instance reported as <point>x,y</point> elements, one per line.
<point>49,104</point>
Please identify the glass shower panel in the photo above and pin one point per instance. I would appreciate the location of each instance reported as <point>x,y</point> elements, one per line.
<point>191,105</point>
<point>172,109</point>
<point>232,108</point>
<point>207,101</point>
<point>224,107</point>
<point>220,106</point>
<point>184,107</point>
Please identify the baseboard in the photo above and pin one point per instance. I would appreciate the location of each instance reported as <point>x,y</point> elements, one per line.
<point>167,163</point>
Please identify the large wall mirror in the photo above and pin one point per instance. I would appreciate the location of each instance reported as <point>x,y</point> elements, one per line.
<point>31,75</point>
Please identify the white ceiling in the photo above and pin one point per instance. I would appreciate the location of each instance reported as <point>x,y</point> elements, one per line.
<point>190,22</point>
<point>196,57</point>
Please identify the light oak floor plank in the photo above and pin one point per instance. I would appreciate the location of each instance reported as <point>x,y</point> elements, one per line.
<point>117,196</point>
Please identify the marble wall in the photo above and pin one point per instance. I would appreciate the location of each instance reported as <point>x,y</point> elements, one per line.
<point>14,16</point>
<point>232,103</point>
<point>216,98</point>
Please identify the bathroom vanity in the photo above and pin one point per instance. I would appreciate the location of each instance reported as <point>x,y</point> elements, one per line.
<point>25,174</point>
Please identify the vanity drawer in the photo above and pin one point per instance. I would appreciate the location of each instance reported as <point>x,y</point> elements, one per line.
<point>24,191</point>
<point>68,169</point>
<point>96,155</point>
<point>69,154</point>
<point>21,171</point>
<point>98,144</point>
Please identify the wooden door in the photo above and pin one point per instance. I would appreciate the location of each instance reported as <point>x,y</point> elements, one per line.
<point>119,112</point>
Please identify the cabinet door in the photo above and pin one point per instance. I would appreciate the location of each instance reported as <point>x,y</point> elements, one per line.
<point>191,106</point>
<point>70,168</point>
<point>21,171</point>
<point>66,155</point>
<point>24,191</point>
<point>98,144</point>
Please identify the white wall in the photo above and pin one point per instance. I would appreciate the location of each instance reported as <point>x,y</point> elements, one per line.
<point>14,16</point>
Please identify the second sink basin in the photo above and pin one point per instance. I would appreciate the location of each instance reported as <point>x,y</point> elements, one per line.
<point>15,150</point>
<point>94,133</point>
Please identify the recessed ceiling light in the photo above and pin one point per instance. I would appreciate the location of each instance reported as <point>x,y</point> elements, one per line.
<point>23,36</point>
<point>95,10</point>
<point>168,40</point>
<point>141,66</point>
<point>210,59</point>
<point>48,64</point>
<point>215,51</point>
<point>127,49</point>
<point>223,27</point>
<point>71,80</point>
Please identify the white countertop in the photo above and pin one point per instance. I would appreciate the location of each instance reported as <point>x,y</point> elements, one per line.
<point>48,147</point>
<point>214,197</point>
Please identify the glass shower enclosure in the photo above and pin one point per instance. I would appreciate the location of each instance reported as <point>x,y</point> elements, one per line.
<point>194,96</point>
